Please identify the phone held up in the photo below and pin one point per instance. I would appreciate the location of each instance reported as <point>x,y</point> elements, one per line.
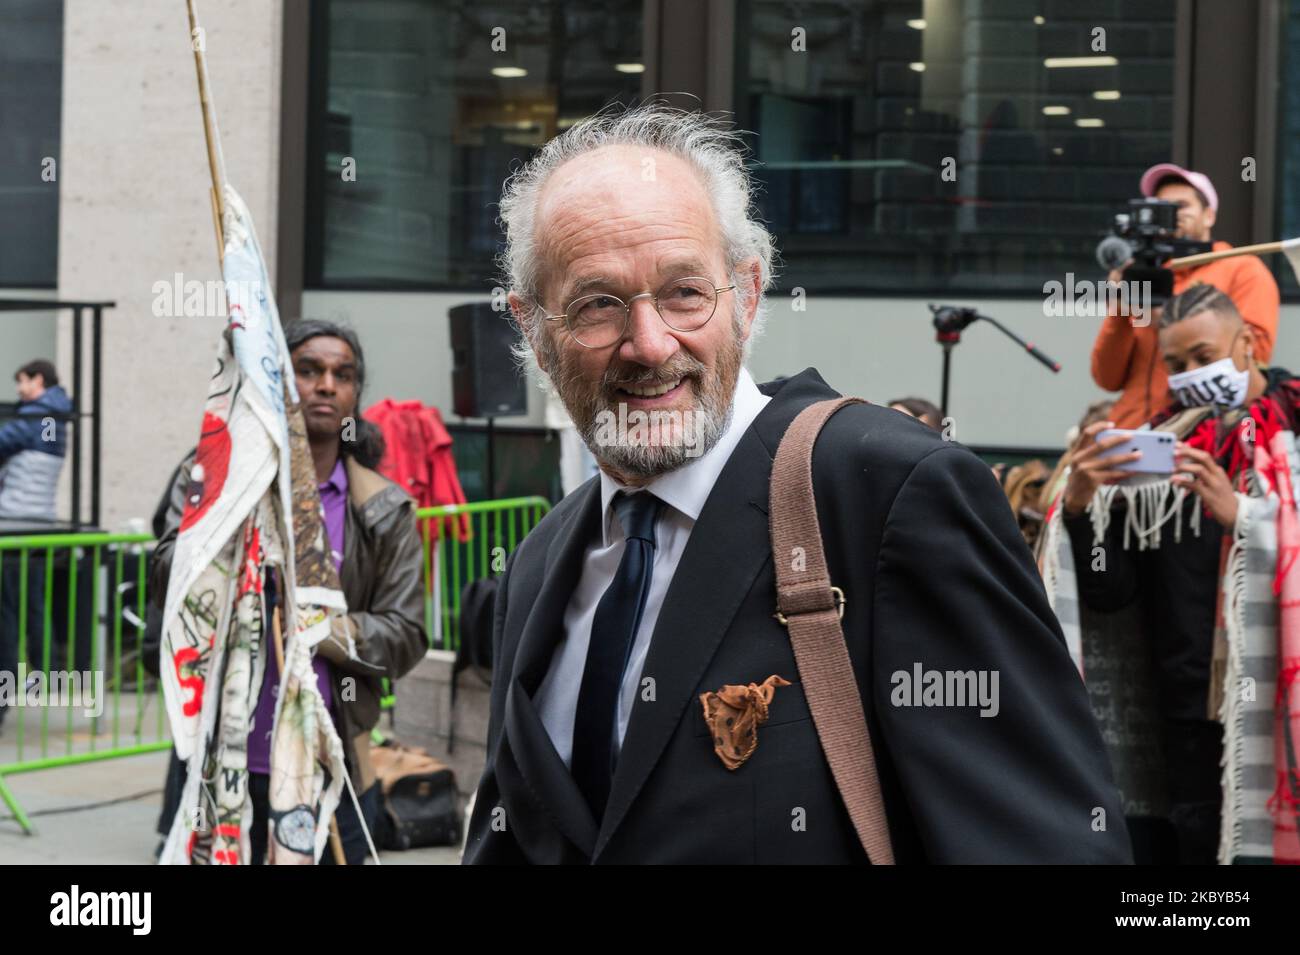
<point>1157,449</point>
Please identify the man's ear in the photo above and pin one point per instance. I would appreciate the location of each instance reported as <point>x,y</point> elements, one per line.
<point>1211,216</point>
<point>524,314</point>
<point>749,276</point>
<point>1248,336</point>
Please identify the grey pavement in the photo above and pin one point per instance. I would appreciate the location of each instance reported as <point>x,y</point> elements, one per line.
<point>103,812</point>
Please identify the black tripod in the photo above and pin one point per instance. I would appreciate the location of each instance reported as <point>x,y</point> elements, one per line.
<point>951,320</point>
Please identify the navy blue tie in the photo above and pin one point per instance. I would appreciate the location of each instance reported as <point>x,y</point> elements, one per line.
<point>612,633</point>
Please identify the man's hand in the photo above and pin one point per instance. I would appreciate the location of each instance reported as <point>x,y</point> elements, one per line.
<point>1199,472</point>
<point>1136,318</point>
<point>1091,467</point>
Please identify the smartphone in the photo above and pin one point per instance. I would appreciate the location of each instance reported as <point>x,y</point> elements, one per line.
<point>1157,449</point>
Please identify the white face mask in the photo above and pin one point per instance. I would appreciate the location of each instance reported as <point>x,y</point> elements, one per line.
<point>1219,383</point>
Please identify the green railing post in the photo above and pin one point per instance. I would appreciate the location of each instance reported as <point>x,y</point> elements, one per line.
<point>427,583</point>
<point>456,565</point>
<point>47,628</point>
<point>71,655</point>
<point>12,802</point>
<point>94,646</point>
<point>52,547</point>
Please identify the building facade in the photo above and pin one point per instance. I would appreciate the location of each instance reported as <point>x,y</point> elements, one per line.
<point>909,151</point>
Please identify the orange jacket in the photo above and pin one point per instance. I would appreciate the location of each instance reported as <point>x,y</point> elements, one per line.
<point>1127,358</point>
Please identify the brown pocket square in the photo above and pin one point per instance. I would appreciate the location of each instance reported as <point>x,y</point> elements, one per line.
<point>734,713</point>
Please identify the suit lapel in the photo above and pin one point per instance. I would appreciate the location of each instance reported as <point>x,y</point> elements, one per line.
<point>549,779</point>
<point>564,558</point>
<point>728,547</point>
<point>530,744</point>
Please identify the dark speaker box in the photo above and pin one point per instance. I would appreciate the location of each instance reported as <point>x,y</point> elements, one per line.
<point>485,382</point>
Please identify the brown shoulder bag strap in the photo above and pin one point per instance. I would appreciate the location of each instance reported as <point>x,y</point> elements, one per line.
<point>811,609</point>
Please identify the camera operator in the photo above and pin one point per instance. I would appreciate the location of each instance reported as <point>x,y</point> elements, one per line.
<point>1126,355</point>
<point>1228,481</point>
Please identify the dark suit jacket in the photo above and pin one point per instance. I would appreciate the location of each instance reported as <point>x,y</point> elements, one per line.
<point>920,537</point>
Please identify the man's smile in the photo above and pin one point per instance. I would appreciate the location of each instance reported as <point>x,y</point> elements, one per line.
<point>652,394</point>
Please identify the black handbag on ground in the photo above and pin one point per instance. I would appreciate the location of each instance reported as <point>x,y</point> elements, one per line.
<point>420,805</point>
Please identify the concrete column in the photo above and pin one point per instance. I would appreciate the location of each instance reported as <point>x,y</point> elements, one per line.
<point>134,209</point>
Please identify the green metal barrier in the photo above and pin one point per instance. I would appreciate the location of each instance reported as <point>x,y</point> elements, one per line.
<point>46,582</point>
<point>79,596</point>
<point>464,543</point>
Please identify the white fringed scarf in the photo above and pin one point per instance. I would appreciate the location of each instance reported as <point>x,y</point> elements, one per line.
<point>1244,675</point>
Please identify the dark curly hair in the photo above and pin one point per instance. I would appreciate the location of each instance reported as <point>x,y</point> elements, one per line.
<point>367,447</point>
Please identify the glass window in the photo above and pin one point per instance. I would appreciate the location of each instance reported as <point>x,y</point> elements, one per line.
<point>434,102</point>
<point>1288,141</point>
<point>951,145</point>
<point>31,90</point>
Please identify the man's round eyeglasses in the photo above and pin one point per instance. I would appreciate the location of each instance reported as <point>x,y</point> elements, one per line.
<point>599,320</point>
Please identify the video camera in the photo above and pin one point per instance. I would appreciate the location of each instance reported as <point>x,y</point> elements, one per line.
<point>1146,234</point>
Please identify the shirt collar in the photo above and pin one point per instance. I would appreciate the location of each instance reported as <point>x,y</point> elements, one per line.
<point>338,479</point>
<point>688,487</point>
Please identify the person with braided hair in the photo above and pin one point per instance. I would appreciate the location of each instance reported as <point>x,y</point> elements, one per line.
<point>1211,591</point>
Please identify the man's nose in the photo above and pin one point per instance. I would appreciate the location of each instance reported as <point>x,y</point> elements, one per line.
<point>649,340</point>
<point>326,383</point>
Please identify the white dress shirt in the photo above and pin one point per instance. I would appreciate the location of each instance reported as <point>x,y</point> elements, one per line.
<point>684,491</point>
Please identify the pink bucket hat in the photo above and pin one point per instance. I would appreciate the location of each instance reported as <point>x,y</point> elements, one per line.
<point>1197,180</point>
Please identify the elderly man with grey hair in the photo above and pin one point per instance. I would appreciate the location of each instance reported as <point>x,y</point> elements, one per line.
<point>637,270</point>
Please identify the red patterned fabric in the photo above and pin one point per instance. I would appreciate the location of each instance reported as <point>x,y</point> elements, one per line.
<point>1277,409</point>
<point>1274,464</point>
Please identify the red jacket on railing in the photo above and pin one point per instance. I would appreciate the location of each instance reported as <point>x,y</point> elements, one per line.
<point>418,457</point>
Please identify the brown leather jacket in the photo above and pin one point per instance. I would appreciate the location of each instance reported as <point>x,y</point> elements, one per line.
<point>382,560</point>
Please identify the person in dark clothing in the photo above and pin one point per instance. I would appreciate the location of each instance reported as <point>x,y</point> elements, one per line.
<point>1176,585</point>
<point>371,530</point>
<point>32,446</point>
<point>32,449</point>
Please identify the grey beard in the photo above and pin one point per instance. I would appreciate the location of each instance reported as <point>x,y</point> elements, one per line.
<point>646,461</point>
<point>713,413</point>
